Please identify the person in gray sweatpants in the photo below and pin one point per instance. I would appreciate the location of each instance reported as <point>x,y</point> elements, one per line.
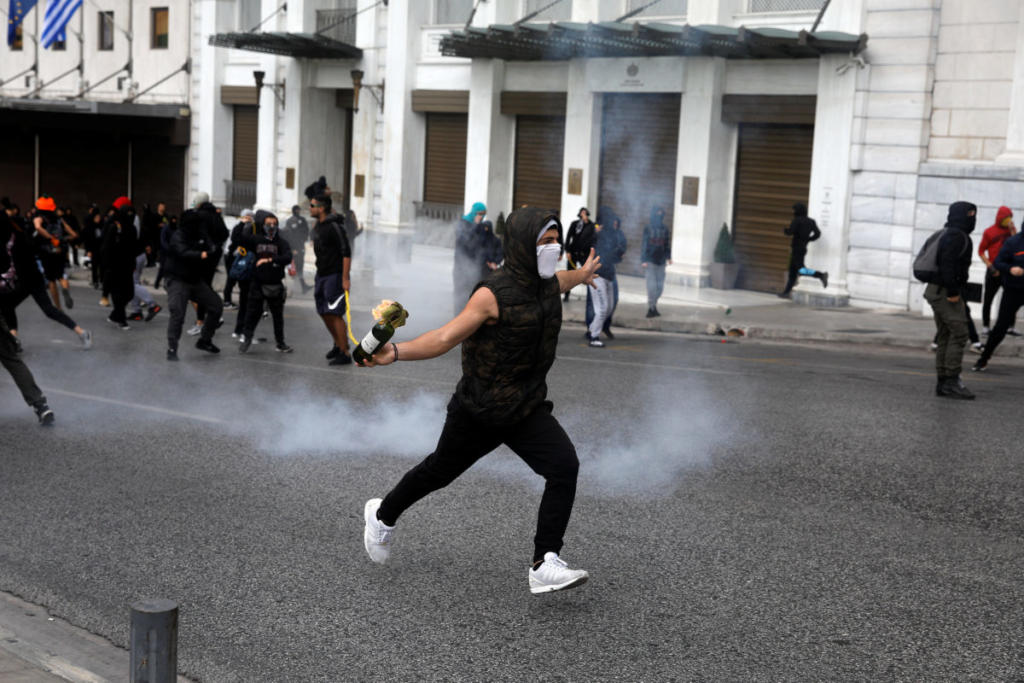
<point>22,376</point>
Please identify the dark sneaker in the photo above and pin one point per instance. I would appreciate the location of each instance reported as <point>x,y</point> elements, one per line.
<point>651,313</point>
<point>172,354</point>
<point>136,316</point>
<point>333,353</point>
<point>980,365</point>
<point>655,312</point>
<point>608,333</point>
<point>824,280</point>
<point>1012,331</point>
<point>784,295</point>
<point>44,413</point>
<point>68,301</point>
<point>121,325</point>
<point>244,346</point>
<point>153,310</point>
<point>341,359</point>
<point>954,388</point>
<point>230,306</point>
<point>940,385</point>
<point>208,346</point>
<point>284,348</point>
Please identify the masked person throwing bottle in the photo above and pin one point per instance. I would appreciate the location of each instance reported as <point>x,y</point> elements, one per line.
<point>509,332</point>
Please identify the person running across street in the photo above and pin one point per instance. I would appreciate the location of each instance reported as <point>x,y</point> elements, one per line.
<point>22,376</point>
<point>509,333</point>
<point>1010,264</point>
<point>333,265</point>
<point>944,295</point>
<point>272,255</point>
<point>992,241</point>
<point>53,234</point>
<point>803,230</point>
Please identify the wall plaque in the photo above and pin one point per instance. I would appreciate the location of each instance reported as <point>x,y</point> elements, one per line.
<point>575,181</point>
<point>691,188</point>
<point>360,188</point>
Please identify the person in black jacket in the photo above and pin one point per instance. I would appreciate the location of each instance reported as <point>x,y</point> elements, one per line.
<point>244,225</point>
<point>1010,264</point>
<point>272,256</point>
<point>578,241</point>
<point>804,230</point>
<point>468,262</point>
<point>218,233</point>
<point>944,296</point>
<point>656,252</point>
<point>190,249</point>
<point>296,233</point>
<point>120,246</point>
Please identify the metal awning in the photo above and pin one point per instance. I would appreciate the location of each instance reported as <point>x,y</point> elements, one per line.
<point>160,111</point>
<point>567,40</point>
<point>307,45</point>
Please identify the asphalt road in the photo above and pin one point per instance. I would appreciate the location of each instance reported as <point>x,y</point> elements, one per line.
<point>747,512</point>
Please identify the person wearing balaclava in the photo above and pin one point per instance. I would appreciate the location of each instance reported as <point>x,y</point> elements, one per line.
<point>509,333</point>
<point>190,249</point>
<point>218,232</point>
<point>296,233</point>
<point>804,230</point>
<point>242,227</point>
<point>944,293</point>
<point>272,255</point>
<point>1009,263</point>
<point>578,240</point>
<point>469,256</point>
<point>120,247</point>
<point>657,251</point>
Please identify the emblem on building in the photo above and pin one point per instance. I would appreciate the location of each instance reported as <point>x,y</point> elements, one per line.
<point>632,70</point>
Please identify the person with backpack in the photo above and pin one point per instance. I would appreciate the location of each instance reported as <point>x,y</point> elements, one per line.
<point>271,254</point>
<point>803,230</point>
<point>243,225</point>
<point>333,265</point>
<point>1010,265</point>
<point>240,271</point>
<point>943,263</point>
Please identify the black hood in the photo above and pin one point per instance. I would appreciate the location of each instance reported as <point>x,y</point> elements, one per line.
<point>257,220</point>
<point>958,216</point>
<point>657,217</point>
<point>799,209</point>
<point>191,223</point>
<point>522,231</point>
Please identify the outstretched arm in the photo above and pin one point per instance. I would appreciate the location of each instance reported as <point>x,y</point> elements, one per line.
<point>567,279</point>
<point>481,309</point>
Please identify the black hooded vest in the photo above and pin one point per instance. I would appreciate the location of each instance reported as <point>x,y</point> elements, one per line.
<point>505,366</point>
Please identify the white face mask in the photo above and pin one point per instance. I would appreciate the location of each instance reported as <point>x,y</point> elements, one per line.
<point>547,259</point>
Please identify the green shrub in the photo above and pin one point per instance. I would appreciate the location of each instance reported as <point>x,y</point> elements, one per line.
<point>724,252</point>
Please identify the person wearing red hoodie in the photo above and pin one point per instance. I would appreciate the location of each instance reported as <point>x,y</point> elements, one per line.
<point>991,242</point>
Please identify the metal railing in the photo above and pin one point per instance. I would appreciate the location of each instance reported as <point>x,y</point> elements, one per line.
<point>435,223</point>
<point>340,24</point>
<point>240,194</point>
<point>758,6</point>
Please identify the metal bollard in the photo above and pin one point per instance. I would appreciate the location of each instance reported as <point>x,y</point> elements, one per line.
<point>154,641</point>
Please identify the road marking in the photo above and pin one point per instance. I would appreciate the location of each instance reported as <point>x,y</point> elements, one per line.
<point>140,406</point>
<point>362,372</point>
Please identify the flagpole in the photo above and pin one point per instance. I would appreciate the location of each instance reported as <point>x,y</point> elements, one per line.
<point>35,67</point>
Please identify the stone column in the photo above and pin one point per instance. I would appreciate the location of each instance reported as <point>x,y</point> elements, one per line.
<point>831,182</point>
<point>704,153</point>
<point>490,140</point>
<point>582,142</point>
<point>269,118</point>
<point>404,131</point>
<point>1014,153</point>
<point>364,121</point>
<point>211,143</point>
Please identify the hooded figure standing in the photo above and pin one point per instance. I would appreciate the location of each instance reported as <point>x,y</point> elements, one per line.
<point>944,296</point>
<point>469,255</point>
<point>804,230</point>
<point>657,251</point>
<point>509,332</point>
<point>272,256</point>
<point>188,257</point>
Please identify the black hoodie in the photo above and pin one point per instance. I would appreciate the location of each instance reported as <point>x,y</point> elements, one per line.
<point>802,228</point>
<point>505,366</point>
<point>956,247</point>
<point>187,244</point>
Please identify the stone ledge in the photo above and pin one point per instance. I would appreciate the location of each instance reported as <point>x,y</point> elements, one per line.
<point>951,169</point>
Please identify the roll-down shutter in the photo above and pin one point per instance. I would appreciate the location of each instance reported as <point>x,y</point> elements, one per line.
<point>773,172</point>
<point>538,175</point>
<point>97,170</point>
<point>639,137</point>
<point>444,173</point>
<point>246,142</point>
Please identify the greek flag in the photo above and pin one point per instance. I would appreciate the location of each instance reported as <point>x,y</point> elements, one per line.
<point>58,13</point>
<point>16,11</point>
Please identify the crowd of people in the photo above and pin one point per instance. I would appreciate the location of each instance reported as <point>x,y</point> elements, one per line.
<point>478,252</point>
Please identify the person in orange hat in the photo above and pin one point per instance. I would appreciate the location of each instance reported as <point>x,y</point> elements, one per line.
<point>54,235</point>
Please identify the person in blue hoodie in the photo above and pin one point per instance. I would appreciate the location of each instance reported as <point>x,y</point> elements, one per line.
<point>657,251</point>
<point>469,234</point>
<point>1010,265</point>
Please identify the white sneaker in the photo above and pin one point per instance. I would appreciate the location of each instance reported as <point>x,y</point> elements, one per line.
<point>554,574</point>
<point>596,343</point>
<point>376,534</point>
<point>194,330</point>
<point>977,347</point>
<point>933,347</point>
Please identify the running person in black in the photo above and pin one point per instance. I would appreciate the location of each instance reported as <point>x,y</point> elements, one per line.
<point>509,332</point>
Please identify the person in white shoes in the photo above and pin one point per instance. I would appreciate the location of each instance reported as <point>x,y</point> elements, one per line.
<point>508,331</point>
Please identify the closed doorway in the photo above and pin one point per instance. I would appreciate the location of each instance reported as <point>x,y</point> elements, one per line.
<point>540,141</point>
<point>639,138</point>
